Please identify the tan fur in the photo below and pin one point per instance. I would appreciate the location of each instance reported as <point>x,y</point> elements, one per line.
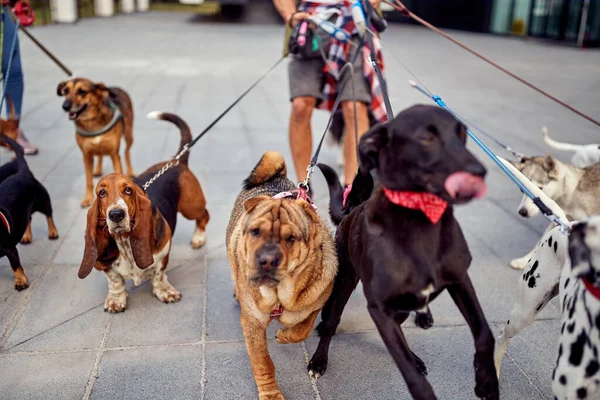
<point>304,277</point>
<point>271,164</point>
<point>97,114</point>
<point>9,126</point>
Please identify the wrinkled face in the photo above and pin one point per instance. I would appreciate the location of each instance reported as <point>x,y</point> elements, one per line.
<point>584,250</point>
<point>423,149</point>
<point>543,173</point>
<point>276,238</point>
<point>116,197</point>
<point>82,97</point>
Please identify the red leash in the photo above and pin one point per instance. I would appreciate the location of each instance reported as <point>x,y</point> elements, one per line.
<point>402,8</point>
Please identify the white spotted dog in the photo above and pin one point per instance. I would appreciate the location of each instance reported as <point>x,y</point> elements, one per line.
<point>585,155</point>
<point>575,190</point>
<point>577,371</point>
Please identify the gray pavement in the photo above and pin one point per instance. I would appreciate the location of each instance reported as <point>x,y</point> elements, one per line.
<point>55,339</point>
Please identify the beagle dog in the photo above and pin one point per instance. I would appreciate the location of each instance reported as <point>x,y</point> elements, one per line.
<point>102,116</point>
<point>129,231</point>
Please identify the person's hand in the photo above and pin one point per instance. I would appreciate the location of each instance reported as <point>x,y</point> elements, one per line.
<point>296,17</point>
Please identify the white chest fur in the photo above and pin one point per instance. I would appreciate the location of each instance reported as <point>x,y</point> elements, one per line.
<point>126,267</point>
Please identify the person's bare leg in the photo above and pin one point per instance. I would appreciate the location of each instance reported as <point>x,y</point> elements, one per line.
<point>301,134</point>
<point>362,113</point>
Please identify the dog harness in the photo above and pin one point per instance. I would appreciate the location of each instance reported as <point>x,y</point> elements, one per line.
<point>117,115</point>
<point>594,291</point>
<point>431,205</point>
<point>5,221</point>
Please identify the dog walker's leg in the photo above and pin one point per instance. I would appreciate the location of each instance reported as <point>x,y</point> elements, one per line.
<point>88,163</point>
<point>298,332</point>
<point>486,380</point>
<point>116,301</point>
<point>98,168</point>
<point>28,236</point>
<point>394,340</point>
<point>343,286</point>
<point>262,366</point>
<point>21,281</point>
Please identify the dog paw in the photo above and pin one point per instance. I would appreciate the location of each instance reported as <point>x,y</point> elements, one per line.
<point>424,320</point>
<point>26,239</point>
<point>167,294</point>
<point>86,202</point>
<point>97,174</point>
<point>199,239</point>
<point>518,263</point>
<point>486,381</point>
<point>419,364</point>
<point>53,235</point>
<point>21,283</point>
<point>317,366</point>
<point>286,336</point>
<point>271,396</point>
<point>115,304</point>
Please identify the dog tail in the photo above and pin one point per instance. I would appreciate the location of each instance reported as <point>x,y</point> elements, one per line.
<point>270,166</point>
<point>19,152</point>
<point>184,129</point>
<point>558,145</point>
<point>341,203</point>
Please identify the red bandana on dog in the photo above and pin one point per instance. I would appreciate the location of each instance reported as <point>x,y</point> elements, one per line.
<point>5,221</point>
<point>276,313</point>
<point>594,291</point>
<point>432,206</point>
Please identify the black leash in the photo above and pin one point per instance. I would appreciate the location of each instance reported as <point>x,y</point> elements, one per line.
<point>175,160</point>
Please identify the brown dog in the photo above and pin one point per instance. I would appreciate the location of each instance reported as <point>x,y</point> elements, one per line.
<point>102,115</point>
<point>10,126</point>
<point>283,264</point>
<point>128,233</point>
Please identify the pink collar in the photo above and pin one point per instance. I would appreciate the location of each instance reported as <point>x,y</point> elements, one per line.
<point>431,205</point>
<point>295,194</point>
<point>5,221</point>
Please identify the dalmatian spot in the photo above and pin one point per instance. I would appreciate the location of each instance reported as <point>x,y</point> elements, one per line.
<point>555,247</point>
<point>596,356</point>
<point>508,322</point>
<point>527,275</point>
<point>560,351</point>
<point>550,241</point>
<point>567,284</point>
<point>539,307</point>
<point>577,349</point>
<point>562,328</point>
<point>562,380</point>
<point>598,321</point>
<point>582,393</point>
<point>531,282</point>
<point>591,369</point>
<point>571,327</point>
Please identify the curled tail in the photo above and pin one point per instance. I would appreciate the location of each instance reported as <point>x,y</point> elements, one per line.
<point>341,205</point>
<point>558,145</point>
<point>184,129</point>
<point>19,153</point>
<point>271,165</point>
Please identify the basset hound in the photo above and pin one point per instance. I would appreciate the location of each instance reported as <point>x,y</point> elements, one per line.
<point>102,116</point>
<point>129,231</point>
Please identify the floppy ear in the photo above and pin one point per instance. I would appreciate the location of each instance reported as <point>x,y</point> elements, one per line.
<point>370,145</point>
<point>308,209</point>
<point>60,87</point>
<point>105,91</point>
<point>142,235</point>
<point>90,252</point>
<point>251,204</point>
<point>550,166</point>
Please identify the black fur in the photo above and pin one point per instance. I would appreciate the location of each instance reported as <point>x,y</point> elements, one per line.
<point>397,253</point>
<point>21,196</point>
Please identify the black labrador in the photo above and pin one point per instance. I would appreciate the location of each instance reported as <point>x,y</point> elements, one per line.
<point>20,196</point>
<point>400,238</point>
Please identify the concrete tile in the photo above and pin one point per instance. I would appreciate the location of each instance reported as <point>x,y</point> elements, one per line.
<point>164,372</point>
<point>48,376</point>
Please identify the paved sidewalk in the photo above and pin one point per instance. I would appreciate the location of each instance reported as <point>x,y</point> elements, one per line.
<point>57,343</point>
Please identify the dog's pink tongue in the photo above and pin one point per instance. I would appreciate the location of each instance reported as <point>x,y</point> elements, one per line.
<point>466,185</point>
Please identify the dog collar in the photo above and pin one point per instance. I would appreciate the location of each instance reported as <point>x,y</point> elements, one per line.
<point>431,205</point>
<point>117,115</point>
<point>594,291</point>
<point>294,194</point>
<point>5,221</point>
<point>276,313</point>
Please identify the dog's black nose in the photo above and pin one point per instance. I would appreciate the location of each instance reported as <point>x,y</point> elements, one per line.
<point>476,169</point>
<point>116,215</point>
<point>523,212</point>
<point>268,257</point>
<point>67,105</point>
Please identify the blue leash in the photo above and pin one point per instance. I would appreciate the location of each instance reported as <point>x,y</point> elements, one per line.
<point>10,59</point>
<point>547,212</point>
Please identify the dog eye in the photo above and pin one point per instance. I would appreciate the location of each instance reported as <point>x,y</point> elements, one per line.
<point>128,190</point>
<point>427,138</point>
<point>291,239</point>
<point>255,231</point>
<point>102,193</point>
<point>81,92</point>
<point>65,91</point>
